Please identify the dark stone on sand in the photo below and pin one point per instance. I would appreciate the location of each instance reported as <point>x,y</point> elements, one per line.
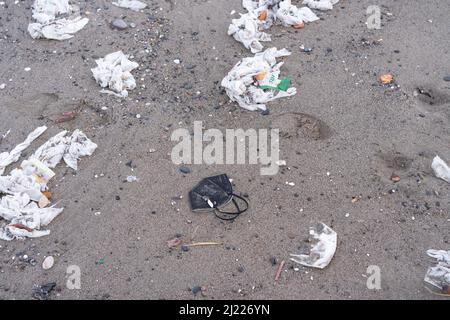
<point>185,170</point>
<point>119,24</point>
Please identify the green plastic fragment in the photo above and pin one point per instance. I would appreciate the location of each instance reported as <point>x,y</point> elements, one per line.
<point>284,85</point>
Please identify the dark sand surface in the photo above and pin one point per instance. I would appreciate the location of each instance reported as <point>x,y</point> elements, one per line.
<point>361,134</point>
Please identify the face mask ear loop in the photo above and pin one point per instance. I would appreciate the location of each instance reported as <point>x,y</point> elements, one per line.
<point>238,212</point>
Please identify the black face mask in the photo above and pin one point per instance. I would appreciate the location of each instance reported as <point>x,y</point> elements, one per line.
<point>215,192</point>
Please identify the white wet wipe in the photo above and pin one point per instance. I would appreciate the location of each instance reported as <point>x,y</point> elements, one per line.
<point>441,169</point>
<point>130,4</point>
<point>114,72</point>
<point>50,25</point>
<point>320,4</point>
<point>439,275</point>
<point>323,246</point>
<point>262,14</point>
<point>24,206</point>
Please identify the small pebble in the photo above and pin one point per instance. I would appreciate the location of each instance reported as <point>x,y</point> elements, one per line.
<point>119,24</point>
<point>185,170</point>
<point>48,263</point>
<point>447,78</point>
<point>196,289</point>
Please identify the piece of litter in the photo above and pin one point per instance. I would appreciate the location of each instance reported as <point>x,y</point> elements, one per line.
<point>130,4</point>
<point>279,270</point>
<point>70,148</point>
<point>6,134</point>
<point>320,4</point>
<point>174,242</point>
<point>245,30</point>
<point>323,246</point>
<point>25,216</point>
<point>262,14</point>
<point>25,205</point>
<point>290,15</point>
<point>114,72</point>
<point>439,275</point>
<point>66,116</point>
<point>254,80</point>
<point>203,244</point>
<point>132,179</point>
<point>6,158</point>
<point>27,69</point>
<point>441,169</point>
<point>42,292</point>
<point>47,24</point>
<point>215,192</point>
<point>386,78</point>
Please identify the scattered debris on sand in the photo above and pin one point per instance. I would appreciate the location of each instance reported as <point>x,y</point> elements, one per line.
<point>254,81</point>
<point>25,204</point>
<point>262,14</point>
<point>114,72</point>
<point>49,26</point>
